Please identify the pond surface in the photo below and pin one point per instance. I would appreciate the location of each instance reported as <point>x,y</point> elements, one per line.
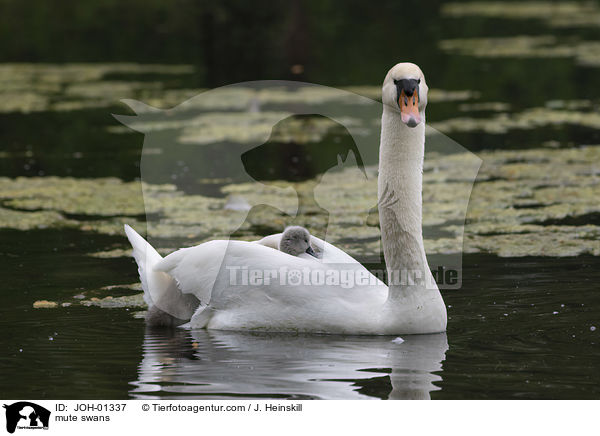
<point>517,87</point>
<point>517,329</point>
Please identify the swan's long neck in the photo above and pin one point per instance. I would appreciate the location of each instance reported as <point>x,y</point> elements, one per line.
<point>400,202</point>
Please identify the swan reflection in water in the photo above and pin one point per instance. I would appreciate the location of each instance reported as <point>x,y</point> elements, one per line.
<point>230,365</point>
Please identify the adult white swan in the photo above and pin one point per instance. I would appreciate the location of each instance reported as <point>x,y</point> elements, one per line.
<point>237,285</point>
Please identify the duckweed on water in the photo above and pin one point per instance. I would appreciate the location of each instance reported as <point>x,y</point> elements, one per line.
<point>493,106</point>
<point>73,72</point>
<point>103,196</point>
<point>67,87</point>
<point>524,202</point>
<point>434,95</point>
<point>244,115</point>
<point>533,202</point>
<point>246,98</point>
<point>254,127</point>
<point>236,127</point>
<point>554,14</point>
<point>44,304</point>
<point>110,302</point>
<point>134,299</point>
<point>43,87</point>
<point>525,46</point>
<point>528,119</point>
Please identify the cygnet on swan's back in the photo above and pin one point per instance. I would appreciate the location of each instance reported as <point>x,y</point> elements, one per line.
<point>295,240</point>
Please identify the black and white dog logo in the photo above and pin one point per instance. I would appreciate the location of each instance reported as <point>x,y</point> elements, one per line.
<point>26,415</point>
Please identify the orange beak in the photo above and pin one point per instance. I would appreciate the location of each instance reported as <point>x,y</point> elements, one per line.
<point>409,109</point>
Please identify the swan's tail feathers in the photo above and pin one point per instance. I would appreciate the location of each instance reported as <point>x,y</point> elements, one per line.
<point>201,317</point>
<point>146,257</point>
<point>160,289</point>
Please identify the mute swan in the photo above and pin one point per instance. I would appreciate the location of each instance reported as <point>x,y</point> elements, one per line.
<point>229,285</point>
<point>295,240</point>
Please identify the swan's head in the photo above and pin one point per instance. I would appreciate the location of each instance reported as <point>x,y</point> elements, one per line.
<point>405,91</point>
<point>295,240</point>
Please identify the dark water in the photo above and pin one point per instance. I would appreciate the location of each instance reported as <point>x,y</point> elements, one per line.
<point>518,328</point>
<point>504,339</point>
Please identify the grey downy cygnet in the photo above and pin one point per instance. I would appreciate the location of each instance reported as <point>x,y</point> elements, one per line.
<point>295,240</point>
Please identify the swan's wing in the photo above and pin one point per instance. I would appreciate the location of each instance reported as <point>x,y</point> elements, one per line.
<point>329,254</point>
<point>333,255</point>
<point>207,271</point>
<point>271,241</point>
<point>219,274</point>
<point>195,269</point>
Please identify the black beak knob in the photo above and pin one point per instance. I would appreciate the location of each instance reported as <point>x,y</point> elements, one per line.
<point>408,86</point>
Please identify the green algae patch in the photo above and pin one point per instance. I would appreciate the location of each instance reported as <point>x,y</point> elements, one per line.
<point>102,196</point>
<point>516,192</point>
<point>510,46</point>
<point>525,46</point>
<point>129,287</point>
<point>250,100</point>
<point>135,300</point>
<point>528,119</point>
<point>44,304</point>
<point>245,115</point>
<point>525,190</point>
<point>111,254</point>
<point>109,302</point>
<point>29,220</point>
<point>253,128</point>
<point>554,14</point>
<point>433,96</point>
<point>39,87</point>
<point>540,202</point>
<point>491,106</point>
<point>237,127</point>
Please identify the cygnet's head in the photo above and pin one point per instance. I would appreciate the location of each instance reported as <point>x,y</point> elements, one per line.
<point>405,91</point>
<point>295,240</point>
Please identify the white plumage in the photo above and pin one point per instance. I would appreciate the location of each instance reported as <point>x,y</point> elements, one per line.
<point>205,284</point>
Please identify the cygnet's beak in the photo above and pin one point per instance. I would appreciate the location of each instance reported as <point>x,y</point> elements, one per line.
<point>310,251</point>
